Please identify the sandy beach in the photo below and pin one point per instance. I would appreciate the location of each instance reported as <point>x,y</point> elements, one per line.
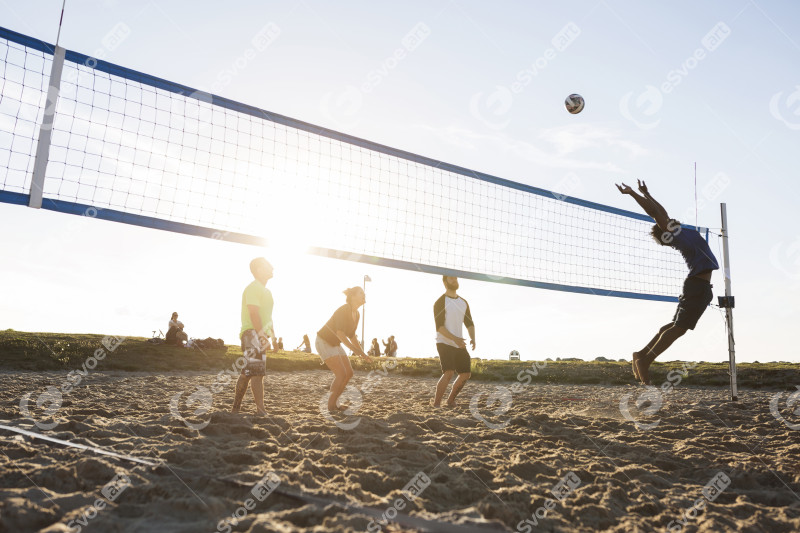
<point>510,457</point>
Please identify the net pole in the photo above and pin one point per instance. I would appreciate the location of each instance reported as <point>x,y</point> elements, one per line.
<point>729,302</point>
<point>46,130</point>
<point>364,313</point>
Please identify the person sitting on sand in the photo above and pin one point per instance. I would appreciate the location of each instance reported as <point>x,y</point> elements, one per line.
<point>175,333</point>
<point>257,306</point>
<point>450,312</point>
<point>375,349</point>
<point>696,293</point>
<point>341,329</point>
<point>306,344</point>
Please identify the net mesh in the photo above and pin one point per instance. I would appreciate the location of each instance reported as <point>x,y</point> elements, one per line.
<point>136,146</point>
<point>24,73</point>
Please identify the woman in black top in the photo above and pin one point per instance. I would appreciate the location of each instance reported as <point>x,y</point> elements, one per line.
<point>341,329</point>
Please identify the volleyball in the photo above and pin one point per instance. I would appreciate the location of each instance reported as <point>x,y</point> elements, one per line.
<point>574,103</point>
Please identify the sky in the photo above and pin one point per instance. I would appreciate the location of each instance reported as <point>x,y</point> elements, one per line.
<point>666,86</point>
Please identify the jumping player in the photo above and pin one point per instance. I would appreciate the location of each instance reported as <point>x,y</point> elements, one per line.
<point>696,288</point>
<point>450,312</point>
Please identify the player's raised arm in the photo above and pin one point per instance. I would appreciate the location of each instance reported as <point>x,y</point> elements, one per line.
<point>648,204</point>
<point>657,206</point>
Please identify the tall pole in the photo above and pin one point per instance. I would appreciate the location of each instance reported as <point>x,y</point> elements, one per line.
<point>364,312</point>
<point>728,302</point>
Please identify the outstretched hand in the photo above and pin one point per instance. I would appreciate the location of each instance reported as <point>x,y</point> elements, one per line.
<point>624,189</point>
<point>642,187</point>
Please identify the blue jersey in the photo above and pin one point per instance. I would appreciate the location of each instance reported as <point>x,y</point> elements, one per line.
<point>695,251</point>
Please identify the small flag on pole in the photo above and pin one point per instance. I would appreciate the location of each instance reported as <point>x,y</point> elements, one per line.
<point>367,278</point>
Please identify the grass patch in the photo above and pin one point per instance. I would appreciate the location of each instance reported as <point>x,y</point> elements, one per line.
<point>62,351</point>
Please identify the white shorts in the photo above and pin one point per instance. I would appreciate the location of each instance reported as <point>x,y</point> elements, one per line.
<point>325,350</point>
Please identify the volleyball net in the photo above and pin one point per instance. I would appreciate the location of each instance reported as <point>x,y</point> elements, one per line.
<point>142,150</point>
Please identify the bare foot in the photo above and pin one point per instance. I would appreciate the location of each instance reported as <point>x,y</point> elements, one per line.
<point>451,404</point>
<point>262,413</point>
<point>434,404</point>
<point>234,411</point>
<point>641,367</point>
<point>633,364</point>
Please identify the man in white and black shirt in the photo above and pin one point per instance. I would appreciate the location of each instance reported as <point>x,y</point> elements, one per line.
<point>450,312</point>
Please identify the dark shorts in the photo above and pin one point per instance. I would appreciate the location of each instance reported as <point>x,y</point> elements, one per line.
<point>453,358</point>
<point>693,302</point>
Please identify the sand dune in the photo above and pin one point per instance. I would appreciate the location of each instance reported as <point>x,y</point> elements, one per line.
<point>535,458</point>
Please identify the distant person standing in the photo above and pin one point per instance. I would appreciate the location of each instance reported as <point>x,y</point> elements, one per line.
<point>450,312</point>
<point>390,347</point>
<point>175,334</point>
<point>341,329</point>
<point>306,344</point>
<point>257,306</point>
<point>279,345</point>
